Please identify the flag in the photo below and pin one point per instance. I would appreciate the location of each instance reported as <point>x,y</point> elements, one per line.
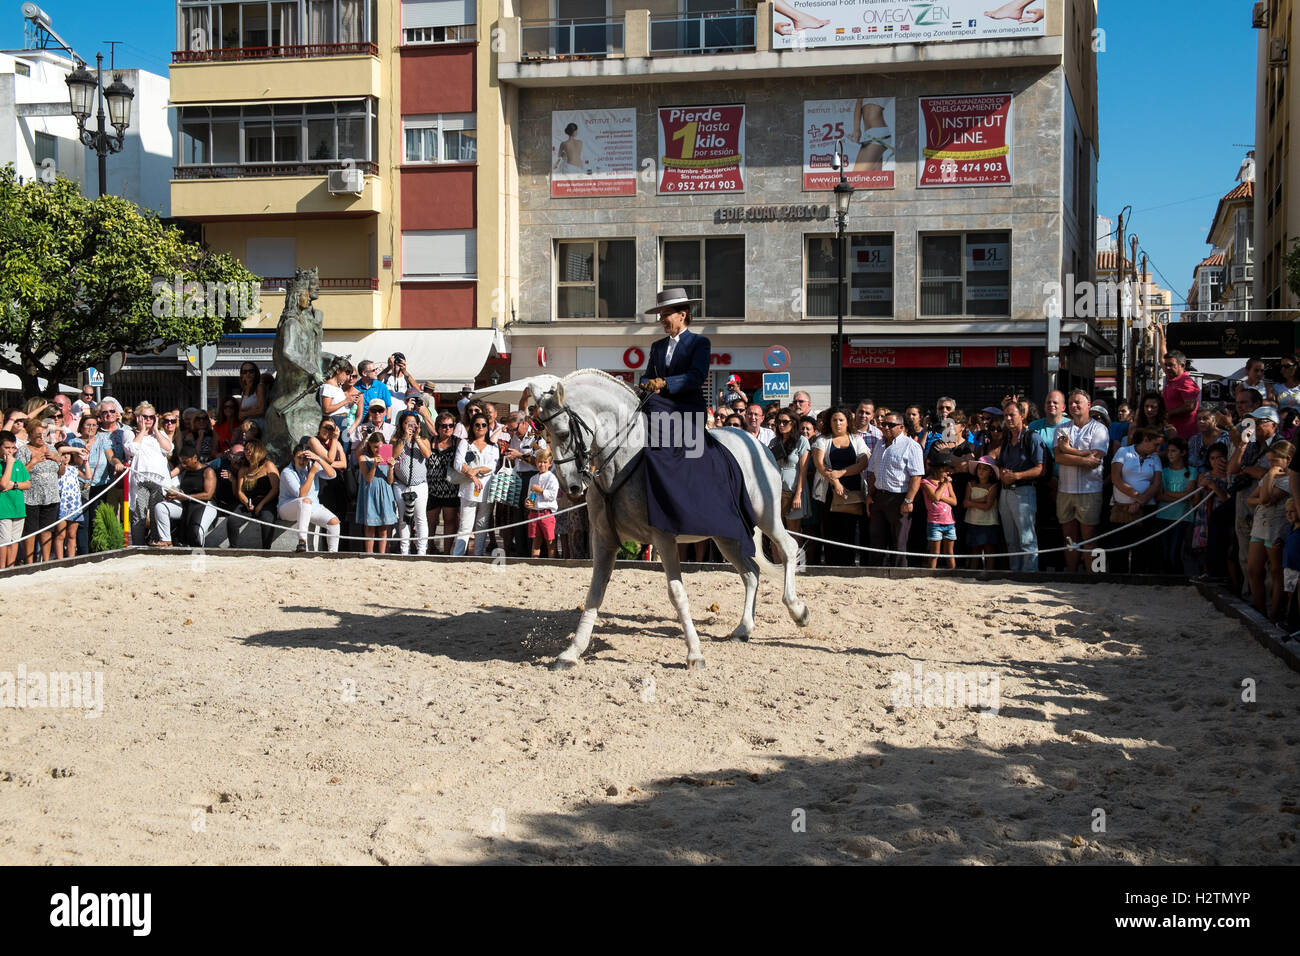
<point>839,29</point>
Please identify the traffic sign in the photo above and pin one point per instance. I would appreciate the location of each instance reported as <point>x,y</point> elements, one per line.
<point>94,378</point>
<point>776,358</point>
<point>202,358</point>
<point>776,386</point>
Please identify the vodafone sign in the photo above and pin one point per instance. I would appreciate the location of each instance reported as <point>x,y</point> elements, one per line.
<point>634,357</point>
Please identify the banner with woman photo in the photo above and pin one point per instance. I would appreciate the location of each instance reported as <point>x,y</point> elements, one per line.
<point>865,127</point>
<point>821,23</point>
<point>593,153</point>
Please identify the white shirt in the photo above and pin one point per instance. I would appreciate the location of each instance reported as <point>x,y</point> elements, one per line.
<point>549,498</point>
<point>1092,436</point>
<point>1137,471</point>
<point>488,457</point>
<point>764,436</point>
<point>895,465</point>
<point>672,347</point>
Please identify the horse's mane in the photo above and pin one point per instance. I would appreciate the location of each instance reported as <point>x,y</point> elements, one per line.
<point>600,373</point>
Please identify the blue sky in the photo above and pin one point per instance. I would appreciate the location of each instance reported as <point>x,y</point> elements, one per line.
<point>1177,91</point>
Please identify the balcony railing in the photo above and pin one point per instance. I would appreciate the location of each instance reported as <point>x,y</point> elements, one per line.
<point>582,38</point>
<point>298,51</point>
<point>280,283</point>
<point>243,170</point>
<point>677,34</point>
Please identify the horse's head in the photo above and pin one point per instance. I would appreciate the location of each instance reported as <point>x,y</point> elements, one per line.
<point>568,443</point>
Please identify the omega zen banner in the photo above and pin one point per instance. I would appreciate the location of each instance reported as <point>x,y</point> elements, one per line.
<point>701,149</point>
<point>820,23</point>
<point>965,140</point>
<point>593,153</point>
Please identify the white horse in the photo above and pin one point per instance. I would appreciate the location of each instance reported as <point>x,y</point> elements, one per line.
<point>597,432</point>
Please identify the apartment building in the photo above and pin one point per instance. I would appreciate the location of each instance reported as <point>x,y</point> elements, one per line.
<point>345,135</point>
<point>1232,230</point>
<point>658,143</point>
<point>1277,104</point>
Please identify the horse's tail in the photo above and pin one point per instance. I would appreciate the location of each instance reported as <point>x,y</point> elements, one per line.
<point>764,565</point>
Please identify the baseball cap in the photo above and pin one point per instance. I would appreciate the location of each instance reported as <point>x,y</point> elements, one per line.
<point>733,380</point>
<point>1265,413</point>
<point>987,460</point>
<point>411,393</point>
<point>992,410</point>
<point>378,403</point>
<point>1100,414</point>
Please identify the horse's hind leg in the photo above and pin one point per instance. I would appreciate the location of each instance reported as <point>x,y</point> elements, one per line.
<point>602,567</point>
<point>667,549</point>
<point>748,569</point>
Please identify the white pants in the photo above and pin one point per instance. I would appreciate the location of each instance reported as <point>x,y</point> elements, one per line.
<point>307,513</point>
<point>165,512</point>
<point>421,517</point>
<point>473,515</point>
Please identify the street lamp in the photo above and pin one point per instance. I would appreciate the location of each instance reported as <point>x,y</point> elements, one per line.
<point>843,193</point>
<point>85,91</point>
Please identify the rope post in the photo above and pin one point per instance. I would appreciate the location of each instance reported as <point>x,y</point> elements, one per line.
<point>126,507</point>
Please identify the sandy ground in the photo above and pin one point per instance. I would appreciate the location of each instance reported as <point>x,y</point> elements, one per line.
<point>311,711</point>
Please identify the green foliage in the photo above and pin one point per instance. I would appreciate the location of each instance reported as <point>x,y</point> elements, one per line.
<point>106,529</point>
<point>1291,263</point>
<point>80,279</point>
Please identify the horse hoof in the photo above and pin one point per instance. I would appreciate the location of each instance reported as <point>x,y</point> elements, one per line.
<point>695,664</point>
<point>802,616</point>
<point>562,665</point>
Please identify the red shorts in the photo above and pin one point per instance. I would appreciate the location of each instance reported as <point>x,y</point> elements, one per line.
<point>542,526</point>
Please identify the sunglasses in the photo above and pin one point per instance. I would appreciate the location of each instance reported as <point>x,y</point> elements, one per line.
<point>1288,364</point>
<point>170,421</point>
<point>784,421</point>
<point>893,424</point>
<point>480,424</point>
<point>446,425</point>
<point>146,418</point>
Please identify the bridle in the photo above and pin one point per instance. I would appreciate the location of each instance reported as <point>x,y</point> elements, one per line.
<point>589,467</point>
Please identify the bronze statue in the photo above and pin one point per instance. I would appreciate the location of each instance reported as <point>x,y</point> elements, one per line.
<point>300,368</point>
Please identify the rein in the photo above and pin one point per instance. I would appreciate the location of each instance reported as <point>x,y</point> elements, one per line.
<point>588,466</point>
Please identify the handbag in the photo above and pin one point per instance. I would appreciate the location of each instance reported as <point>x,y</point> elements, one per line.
<point>504,487</point>
<point>455,477</point>
<point>852,503</point>
<point>787,497</point>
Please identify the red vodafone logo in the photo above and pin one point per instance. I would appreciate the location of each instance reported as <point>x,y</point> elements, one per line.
<point>634,357</point>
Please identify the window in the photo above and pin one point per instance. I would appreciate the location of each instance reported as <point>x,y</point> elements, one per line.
<point>467,32</point>
<point>45,147</point>
<point>22,69</point>
<point>709,269</point>
<point>285,133</point>
<point>439,254</point>
<point>262,24</point>
<point>595,278</point>
<point>441,139</point>
<point>868,273</point>
<point>966,274</point>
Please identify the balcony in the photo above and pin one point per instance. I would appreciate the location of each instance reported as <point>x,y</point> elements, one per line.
<point>356,306</point>
<point>343,70</point>
<point>641,46</point>
<point>584,38</point>
<point>213,193</point>
<point>295,52</point>
<point>282,283</point>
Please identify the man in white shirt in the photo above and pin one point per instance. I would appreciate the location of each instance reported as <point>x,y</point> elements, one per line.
<point>84,404</point>
<point>754,424</point>
<point>1080,448</point>
<point>894,474</point>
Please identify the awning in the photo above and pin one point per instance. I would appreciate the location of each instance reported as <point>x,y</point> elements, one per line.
<point>12,383</point>
<point>447,358</point>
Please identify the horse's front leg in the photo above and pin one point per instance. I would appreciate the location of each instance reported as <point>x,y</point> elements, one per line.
<point>666,546</point>
<point>602,567</point>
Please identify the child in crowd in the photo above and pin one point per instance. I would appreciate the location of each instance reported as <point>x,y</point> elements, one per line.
<point>376,504</point>
<point>1268,530</point>
<point>981,506</point>
<point>1213,527</point>
<point>541,499</point>
<point>1177,478</point>
<point>940,528</point>
<point>14,480</point>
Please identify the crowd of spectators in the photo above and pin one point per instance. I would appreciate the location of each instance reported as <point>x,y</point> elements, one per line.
<point>1012,486</point>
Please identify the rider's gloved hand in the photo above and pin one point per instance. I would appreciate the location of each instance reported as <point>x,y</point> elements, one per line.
<point>654,385</point>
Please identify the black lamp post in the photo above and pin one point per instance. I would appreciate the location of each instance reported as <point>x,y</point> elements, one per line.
<point>85,91</point>
<point>843,193</point>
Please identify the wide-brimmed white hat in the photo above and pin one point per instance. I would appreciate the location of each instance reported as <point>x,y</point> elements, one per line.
<point>670,300</point>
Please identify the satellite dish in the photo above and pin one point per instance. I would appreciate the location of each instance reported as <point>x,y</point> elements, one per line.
<point>115,362</point>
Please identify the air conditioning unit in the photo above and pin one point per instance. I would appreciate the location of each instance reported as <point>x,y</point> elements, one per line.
<point>1259,16</point>
<point>345,181</point>
<point>1277,50</point>
<point>1242,274</point>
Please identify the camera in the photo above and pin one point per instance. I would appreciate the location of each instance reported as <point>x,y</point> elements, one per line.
<point>419,402</point>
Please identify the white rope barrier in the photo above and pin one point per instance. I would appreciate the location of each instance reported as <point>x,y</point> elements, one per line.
<point>84,505</point>
<point>1072,546</point>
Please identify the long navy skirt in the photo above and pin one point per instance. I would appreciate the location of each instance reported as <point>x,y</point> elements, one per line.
<point>688,492</point>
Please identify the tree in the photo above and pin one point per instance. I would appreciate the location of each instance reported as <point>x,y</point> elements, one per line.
<point>81,279</point>
<point>1291,263</point>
